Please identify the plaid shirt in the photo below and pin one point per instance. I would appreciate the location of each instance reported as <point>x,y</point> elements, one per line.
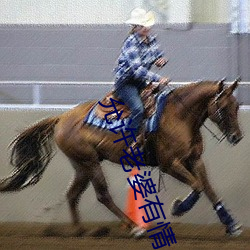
<point>136,59</point>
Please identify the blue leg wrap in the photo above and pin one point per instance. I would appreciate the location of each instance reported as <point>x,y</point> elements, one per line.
<point>189,202</point>
<point>223,214</point>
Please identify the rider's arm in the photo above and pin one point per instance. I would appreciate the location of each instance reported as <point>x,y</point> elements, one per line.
<point>156,51</point>
<point>158,59</point>
<point>132,54</point>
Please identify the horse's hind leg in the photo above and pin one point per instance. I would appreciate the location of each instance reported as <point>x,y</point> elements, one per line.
<point>232,227</point>
<point>103,196</point>
<point>78,186</point>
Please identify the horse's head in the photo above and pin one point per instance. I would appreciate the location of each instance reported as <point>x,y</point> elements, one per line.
<point>223,111</point>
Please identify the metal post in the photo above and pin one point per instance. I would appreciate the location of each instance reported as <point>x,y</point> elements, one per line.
<point>36,94</point>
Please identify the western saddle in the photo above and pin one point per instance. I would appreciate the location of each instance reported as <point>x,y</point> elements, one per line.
<point>148,99</point>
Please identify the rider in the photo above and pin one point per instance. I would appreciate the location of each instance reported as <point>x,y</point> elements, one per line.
<point>139,52</point>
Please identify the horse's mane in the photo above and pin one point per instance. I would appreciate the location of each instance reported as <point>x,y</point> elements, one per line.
<point>184,91</point>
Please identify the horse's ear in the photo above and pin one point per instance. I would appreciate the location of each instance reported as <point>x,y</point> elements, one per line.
<point>232,88</point>
<point>221,85</point>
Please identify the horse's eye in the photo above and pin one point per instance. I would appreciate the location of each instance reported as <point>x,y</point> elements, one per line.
<point>223,108</point>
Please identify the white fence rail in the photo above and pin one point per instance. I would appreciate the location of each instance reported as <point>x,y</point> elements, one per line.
<point>37,86</point>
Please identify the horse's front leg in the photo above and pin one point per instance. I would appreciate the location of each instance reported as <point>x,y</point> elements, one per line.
<point>199,170</point>
<point>179,169</point>
<point>232,227</point>
<point>181,173</point>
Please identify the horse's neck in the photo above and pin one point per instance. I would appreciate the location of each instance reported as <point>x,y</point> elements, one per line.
<point>195,102</point>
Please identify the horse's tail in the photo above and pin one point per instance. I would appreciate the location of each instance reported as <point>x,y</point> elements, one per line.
<point>31,152</point>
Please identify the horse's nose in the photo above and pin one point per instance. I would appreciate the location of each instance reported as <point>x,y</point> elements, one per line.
<point>234,138</point>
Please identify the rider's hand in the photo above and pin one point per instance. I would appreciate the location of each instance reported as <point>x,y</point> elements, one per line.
<point>160,62</point>
<point>164,80</point>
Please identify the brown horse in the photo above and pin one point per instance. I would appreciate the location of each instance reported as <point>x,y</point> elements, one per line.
<point>178,139</point>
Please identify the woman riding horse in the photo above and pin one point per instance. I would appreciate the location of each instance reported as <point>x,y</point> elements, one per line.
<point>138,54</point>
<point>178,147</point>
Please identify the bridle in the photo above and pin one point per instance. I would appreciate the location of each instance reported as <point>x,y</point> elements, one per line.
<point>218,115</point>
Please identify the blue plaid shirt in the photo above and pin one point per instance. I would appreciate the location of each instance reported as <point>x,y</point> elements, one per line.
<point>136,59</point>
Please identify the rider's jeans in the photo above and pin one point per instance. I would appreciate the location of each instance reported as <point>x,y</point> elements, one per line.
<point>130,94</point>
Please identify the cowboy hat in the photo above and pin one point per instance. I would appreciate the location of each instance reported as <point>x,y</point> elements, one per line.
<point>141,17</point>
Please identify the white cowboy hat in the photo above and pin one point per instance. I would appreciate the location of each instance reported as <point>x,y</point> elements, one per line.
<point>141,17</point>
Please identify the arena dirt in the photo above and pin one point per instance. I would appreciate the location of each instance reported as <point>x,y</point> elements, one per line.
<point>62,236</point>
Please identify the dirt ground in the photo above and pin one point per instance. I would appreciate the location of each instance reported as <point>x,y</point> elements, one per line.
<point>63,236</point>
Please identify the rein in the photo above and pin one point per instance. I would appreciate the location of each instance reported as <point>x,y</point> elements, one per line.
<point>191,112</point>
<point>219,140</point>
<point>218,111</point>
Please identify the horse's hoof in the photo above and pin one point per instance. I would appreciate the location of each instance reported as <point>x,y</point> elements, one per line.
<point>100,232</point>
<point>49,232</point>
<point>52,231</point>
<point>138,232</point>
<point>175,206</point>
<point>78,232</point>
<point>234,230</point>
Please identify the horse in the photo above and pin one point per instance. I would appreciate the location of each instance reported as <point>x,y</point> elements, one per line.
<point>178,144</point>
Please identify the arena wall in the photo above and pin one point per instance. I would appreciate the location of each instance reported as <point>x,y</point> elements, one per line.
<point>215,11</point>
<point>102,12</point>
<point>89,53</point>
<point>72,41</point>
<point>227,167</point>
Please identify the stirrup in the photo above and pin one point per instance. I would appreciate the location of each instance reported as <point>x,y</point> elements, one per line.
<point>138,143</point>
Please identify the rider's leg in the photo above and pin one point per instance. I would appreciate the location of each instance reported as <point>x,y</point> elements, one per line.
<point>130,95</point>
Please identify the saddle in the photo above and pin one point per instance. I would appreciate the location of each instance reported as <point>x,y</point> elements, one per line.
<point>147,96</point>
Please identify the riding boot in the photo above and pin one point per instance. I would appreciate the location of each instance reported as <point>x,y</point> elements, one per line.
<point>139,142</point>
<point>136,143</point>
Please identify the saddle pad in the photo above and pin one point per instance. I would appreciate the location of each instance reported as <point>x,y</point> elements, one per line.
<point>151,124</point>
